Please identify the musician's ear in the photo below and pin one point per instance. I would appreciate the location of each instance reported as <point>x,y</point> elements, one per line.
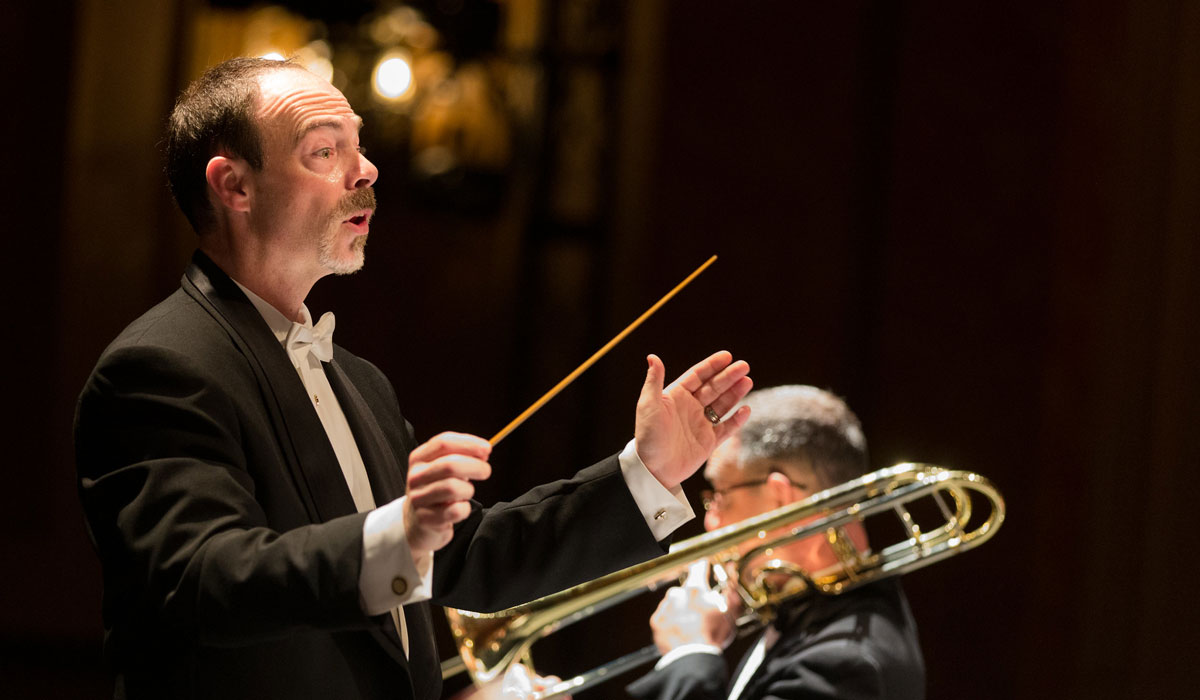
<point>781,490</point>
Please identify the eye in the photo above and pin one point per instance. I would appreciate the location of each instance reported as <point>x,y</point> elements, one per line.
<point>324,153</point>
<point>362,150</point>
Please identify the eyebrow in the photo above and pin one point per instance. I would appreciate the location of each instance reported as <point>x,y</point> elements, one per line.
<point>325,123</point>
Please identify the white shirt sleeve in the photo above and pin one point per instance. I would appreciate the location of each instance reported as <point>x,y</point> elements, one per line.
<point>684,650</point>
<point>663,510</point>
<point>389,576</point>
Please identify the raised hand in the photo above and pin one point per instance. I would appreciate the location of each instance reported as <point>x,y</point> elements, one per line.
<point>440,473</point>
<point>674,433</point>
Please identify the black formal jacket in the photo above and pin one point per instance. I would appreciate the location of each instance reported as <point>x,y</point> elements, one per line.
<point>857,646</point>
<point>230,543</point>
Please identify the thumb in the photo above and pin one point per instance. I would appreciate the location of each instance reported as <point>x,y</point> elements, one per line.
<point>697,575</point>
<point>652,388</point>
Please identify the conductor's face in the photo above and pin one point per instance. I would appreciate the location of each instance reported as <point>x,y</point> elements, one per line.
<point>313,195</point>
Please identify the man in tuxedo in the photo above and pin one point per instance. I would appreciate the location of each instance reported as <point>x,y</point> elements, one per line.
<point>861,644</point>
<point>267,523</point>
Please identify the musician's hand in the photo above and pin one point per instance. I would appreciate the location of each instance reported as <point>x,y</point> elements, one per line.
<point>673,435</point>
<point>693,614</point>
<point>440,473</point>
<point>518,683</point>
<point>521,683</point>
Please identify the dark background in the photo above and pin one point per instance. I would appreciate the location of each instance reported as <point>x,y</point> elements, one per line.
<point>976,221</point>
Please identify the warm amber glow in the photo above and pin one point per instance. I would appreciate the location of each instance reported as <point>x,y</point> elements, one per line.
<point>316,57</point>
<point>393,78</point>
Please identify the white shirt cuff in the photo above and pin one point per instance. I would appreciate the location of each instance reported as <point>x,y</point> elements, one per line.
<point>684,650</point>
<point>663,510</point>
<point>389,576</point>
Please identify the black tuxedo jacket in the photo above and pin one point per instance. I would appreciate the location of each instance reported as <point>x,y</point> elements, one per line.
<point>861,645</point>
<point>229,541</point>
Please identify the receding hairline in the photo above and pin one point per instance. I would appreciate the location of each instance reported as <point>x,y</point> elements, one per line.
<point>306,127</point>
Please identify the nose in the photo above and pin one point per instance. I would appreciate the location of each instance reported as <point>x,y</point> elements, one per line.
<point>367,173</point>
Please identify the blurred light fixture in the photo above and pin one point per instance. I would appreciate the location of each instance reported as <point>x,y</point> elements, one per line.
<point>316,57</point>
<point>273,56</point>
<point>322,67</point>
<point>393,77</point>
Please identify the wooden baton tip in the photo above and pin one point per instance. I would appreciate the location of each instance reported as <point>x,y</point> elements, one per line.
<point>597,355</point>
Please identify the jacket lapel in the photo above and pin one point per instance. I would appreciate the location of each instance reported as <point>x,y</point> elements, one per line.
<point>383,468</point>
<point>387,484</point>
<point>302,438</point>
<point>306,446</point>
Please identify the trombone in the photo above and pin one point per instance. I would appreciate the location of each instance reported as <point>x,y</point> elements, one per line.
<point>489,643</point>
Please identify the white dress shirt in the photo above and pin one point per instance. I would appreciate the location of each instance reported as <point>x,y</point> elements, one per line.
<point>754,658</point>
<point>390,577</point>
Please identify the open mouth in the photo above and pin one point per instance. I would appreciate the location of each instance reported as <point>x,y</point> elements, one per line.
<point>361,218</point>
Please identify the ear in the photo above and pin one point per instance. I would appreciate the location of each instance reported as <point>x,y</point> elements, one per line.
<point>227,181</point>
<point>781,490</point>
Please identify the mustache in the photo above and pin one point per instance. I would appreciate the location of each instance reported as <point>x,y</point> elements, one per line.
<point>359,199</point>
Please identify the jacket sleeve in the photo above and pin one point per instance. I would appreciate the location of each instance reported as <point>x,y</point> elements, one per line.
<point>171,507</point>
<point>690,677</point>
<point>832,670</point>
<point>553,537</point>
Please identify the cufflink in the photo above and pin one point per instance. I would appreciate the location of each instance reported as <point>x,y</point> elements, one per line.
<point>662,513</point>
<point>399,585</point>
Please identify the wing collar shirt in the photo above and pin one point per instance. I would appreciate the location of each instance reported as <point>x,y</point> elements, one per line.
<point>388,565</point>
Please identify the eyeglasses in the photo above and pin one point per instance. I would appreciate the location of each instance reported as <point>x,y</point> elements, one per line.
<point>712,498</point>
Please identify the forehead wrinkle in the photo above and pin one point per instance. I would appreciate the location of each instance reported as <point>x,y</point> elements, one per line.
<point>293,107</point>
<point>331,123</point>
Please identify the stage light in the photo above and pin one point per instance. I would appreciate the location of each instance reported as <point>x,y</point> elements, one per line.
<point>393,78</point>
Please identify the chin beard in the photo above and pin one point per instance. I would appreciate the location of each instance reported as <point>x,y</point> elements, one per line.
<point>328,258</point>
<point>327,254</point>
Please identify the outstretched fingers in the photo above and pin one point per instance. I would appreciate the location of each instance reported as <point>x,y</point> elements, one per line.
<point>716,381</point>
<point>731,424</point>
<point>718,390</point>
<point>702,371</point>
<point>724,402</point>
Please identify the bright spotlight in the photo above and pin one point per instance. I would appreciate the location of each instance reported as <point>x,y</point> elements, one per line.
<point>393,77</point>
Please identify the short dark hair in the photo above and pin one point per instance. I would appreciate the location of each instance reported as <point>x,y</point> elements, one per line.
<point>804,422</point>
<point>214,115</point>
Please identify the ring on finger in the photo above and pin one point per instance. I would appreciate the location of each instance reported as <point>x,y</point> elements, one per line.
<point>711,414</point>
